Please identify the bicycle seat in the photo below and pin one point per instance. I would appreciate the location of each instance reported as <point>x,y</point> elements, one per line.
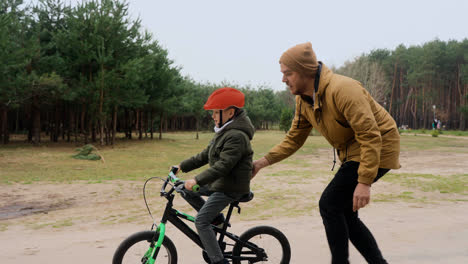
<point>246,197</point>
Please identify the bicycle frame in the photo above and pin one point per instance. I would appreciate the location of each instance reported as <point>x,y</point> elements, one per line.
<point>175,217</point>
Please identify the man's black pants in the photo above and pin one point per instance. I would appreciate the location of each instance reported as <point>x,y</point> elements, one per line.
<point>341,223</point>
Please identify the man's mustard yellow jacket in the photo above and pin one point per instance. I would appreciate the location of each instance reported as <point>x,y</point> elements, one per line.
<point>351,120</point>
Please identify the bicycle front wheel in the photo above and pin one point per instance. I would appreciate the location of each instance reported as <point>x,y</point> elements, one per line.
<point>134,248</point>
<point>269,245</point>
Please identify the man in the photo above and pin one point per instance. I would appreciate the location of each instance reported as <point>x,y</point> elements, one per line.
<point>364,135</point>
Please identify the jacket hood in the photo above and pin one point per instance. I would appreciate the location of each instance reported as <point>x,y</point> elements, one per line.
<point>323,80</point>
<point>242,122</point>
<point>325,77</point>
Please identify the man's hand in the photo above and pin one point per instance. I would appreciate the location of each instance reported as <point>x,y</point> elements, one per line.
<point>259,164</point>
<point>361,196</point>
<point>189,184</point>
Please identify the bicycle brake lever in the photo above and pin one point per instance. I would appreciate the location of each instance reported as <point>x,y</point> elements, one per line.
<point>180,189</point>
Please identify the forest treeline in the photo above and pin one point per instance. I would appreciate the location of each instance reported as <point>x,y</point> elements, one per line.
<point>418,84</point>
<point>84,73</point>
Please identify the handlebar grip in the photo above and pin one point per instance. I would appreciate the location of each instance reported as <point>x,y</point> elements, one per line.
<point>174,169</point>
<point>196,188</point>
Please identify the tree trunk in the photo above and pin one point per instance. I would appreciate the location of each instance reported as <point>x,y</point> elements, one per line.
<point>108,132</point>
<point>128,125</point>
<point>36,121</point>
<point>92,127</point>
<point>4,135</point>
<point>84,130</point>
<point>461,93</point>
<point>393,88</point>
<point>146,123</point>
<point>75,130</point>
<point>448,104</point>
<point>160,124</point>
<point>63,121</point>
<point>101,131</point>
<point>140,125</point>
<point>57,123</point>
<point>152,124</point>
<point>17,121</point>
<point>114,125</point>
<point>196,126</point>
<point>398,113</point>
<point>71,124</point>
<point>101,103</point>
<point>137,122</point>
<point>463,104</point>
<point>415,117</point>
<point>30,126</point>
<point>408,99</point>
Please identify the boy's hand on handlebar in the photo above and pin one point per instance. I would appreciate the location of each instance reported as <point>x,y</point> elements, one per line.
<point>190,183</point>
<point>173,169</point>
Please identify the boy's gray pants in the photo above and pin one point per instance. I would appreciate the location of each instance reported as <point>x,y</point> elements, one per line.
<point>207,212</point>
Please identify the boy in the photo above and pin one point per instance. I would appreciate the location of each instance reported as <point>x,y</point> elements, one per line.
<point>229,155</point>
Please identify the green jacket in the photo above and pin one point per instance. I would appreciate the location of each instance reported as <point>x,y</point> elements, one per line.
<point>352,122</point>
<point>230,157</point>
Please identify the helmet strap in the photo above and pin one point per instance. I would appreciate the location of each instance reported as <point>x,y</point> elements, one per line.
<point>220,124</point>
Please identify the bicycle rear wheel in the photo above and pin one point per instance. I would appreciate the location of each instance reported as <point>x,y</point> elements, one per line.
<point>274,243</point>
<point>133,249</point>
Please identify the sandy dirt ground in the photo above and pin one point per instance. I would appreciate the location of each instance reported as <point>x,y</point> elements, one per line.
<point>84,223</point>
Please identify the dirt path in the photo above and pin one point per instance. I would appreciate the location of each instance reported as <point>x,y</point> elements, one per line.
<point>84,223</point>
<point>409,234</point>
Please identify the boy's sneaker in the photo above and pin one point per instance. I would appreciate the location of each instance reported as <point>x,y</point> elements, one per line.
<point>219,221</point>
<point>224,261</point>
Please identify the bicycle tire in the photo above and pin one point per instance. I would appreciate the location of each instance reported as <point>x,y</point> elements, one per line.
<point>125,252</point>
<point>281,254</point>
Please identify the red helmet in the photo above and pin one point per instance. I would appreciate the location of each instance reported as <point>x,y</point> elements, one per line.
<point>224,98</point>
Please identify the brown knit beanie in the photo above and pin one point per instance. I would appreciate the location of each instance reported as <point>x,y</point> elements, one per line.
<point>301,58</point>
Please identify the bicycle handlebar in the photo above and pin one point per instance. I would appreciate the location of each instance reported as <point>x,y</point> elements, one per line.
<point>176,181</point>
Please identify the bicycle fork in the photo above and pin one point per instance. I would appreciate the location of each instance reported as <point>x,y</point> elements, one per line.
<point>152,252</point>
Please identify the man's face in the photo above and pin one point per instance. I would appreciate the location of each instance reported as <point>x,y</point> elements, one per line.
<point>226,115</point>
<point>295,82</point>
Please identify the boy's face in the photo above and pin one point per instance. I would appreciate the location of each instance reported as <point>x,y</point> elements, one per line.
<point>226,115</point>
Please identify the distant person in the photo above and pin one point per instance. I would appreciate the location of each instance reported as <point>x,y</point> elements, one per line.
<point>363,133</point>
<point>434,124</point>
<point>229,155</point>
<point>439,124</point>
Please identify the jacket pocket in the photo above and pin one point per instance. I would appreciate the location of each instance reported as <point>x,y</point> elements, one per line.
<point>343,124</point>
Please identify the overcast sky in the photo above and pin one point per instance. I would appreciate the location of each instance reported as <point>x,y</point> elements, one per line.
<point>240,41</point>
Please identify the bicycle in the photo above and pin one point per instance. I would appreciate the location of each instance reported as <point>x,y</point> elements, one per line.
<point>155,245</point>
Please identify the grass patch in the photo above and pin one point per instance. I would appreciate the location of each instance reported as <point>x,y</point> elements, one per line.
<point>63,223</point>
<point>439,144</point>
<point>129,160</point>
<point>442,132</point>
<point>284,194</point>
<point>140,159</point>
<point>403,197</point>
<point>267,206</point>
<point>289,189</point>
<point>3,227</point>
<point>56,224</point>
<point>431,183</point>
